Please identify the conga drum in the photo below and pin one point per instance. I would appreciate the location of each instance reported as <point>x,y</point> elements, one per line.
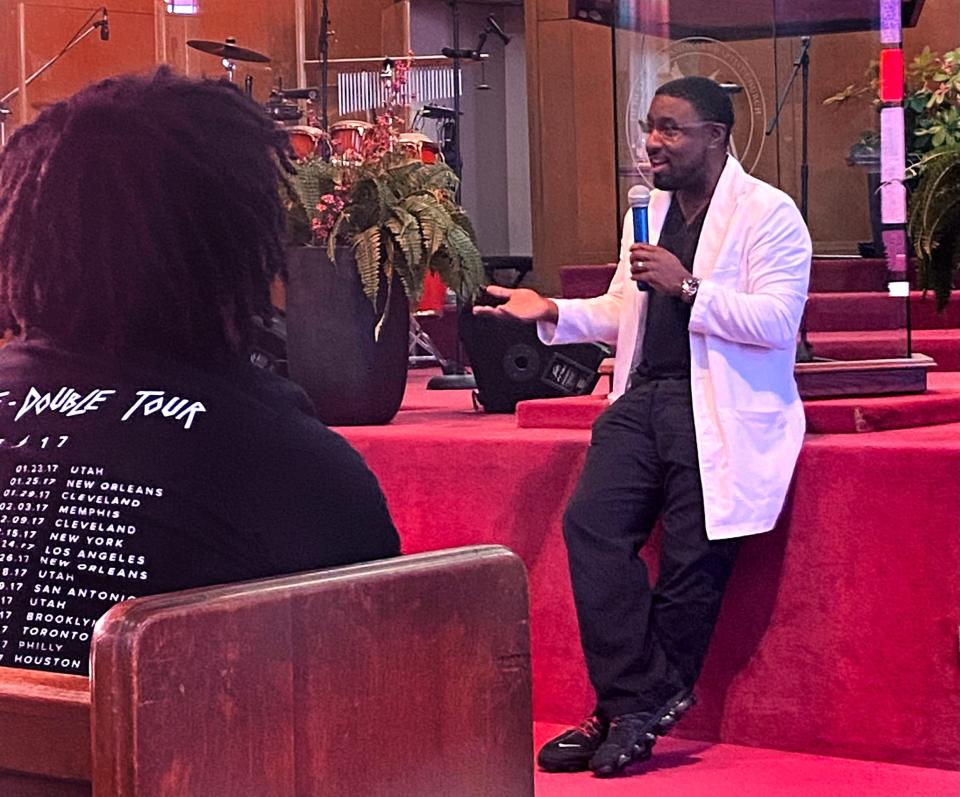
<point>419,147</point>
<point>346,138</point>
<point>433,297</point>
<point>307,142</point>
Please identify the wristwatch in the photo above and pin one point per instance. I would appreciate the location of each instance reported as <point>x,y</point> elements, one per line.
<point>688,289</point>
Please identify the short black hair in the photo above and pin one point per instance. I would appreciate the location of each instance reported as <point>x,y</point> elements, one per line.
<point>144,213</point>
<point>710,101</point>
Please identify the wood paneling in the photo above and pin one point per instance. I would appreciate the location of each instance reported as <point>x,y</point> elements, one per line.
<point>269,28</point>
<point>568,199</point>
<point>141,38</point>
<point>395,28</point>
<point>356,25</point>
<point>552,9</point>
<point>572,145</point>
<point>48,27</point>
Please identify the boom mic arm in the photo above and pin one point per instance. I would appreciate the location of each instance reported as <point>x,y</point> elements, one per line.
<point>494,27</point>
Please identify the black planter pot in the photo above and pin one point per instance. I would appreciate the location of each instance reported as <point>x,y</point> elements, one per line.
<point>331,352</point>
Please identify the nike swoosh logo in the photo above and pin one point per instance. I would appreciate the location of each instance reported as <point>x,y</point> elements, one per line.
<point>561,744</point>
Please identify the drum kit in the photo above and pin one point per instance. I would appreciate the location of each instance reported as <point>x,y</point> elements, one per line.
<point>342,144</point>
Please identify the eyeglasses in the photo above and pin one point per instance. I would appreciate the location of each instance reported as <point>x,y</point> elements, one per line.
<point>670,131</point>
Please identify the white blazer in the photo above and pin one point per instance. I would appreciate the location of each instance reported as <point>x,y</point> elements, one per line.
<point>754,259</point>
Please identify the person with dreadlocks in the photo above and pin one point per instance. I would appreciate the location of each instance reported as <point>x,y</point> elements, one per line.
<point>140,451</point>
<point>704,427</point>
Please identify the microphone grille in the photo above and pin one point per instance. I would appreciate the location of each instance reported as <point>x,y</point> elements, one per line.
<point>638,196</point>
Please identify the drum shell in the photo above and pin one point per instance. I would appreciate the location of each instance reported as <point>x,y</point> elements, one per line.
<point>346,137</point>
<point>420,147</point>
<point>307,142</point>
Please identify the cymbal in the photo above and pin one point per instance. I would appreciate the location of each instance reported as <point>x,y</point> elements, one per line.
<point>227,49</point>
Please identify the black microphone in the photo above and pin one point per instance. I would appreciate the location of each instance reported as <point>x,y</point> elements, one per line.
<point>448,52</point>
<point>439,112</point>
<point>497,29</point>
<point>104,27</point>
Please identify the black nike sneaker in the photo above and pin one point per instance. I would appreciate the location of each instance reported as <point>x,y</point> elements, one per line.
<point>631,737</point>
<point>572,750</point>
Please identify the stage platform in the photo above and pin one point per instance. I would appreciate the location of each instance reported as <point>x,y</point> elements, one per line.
<point>838,635</point>
<point>939,405</point>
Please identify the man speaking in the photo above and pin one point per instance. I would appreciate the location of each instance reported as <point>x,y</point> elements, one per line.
<point>705,426</point>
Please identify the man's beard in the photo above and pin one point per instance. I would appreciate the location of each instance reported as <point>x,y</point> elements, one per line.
<point>665,182</point>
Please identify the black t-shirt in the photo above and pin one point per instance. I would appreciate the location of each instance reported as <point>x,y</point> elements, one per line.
<point>118,482</point>
<point>666,340</point>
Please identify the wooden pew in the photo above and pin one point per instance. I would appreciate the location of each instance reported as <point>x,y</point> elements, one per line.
<point>404,677</point>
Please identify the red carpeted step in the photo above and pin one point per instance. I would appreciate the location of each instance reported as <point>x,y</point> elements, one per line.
<point>829,312</point>
<point>941,344</point>
<point>585,281</point>
<point>924,314</point>
<point>832,312</point>
<point>848,274</point>
<point>940,404</point>
<point>575,412</point>
<point>827,275</point>
<point>685,768</point>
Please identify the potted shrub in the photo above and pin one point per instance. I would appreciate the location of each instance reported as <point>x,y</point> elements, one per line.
<point>934,220</point>
<point>367,231</point>
<point>932,128</point>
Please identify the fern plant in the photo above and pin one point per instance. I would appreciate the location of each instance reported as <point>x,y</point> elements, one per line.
<point>934,221</point>
<point>400,217</point>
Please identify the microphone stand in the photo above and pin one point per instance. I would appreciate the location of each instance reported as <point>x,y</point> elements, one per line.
<point>77,38</point>
<point>455,376</point>
<point>324,47</point>
<point>802,67</point>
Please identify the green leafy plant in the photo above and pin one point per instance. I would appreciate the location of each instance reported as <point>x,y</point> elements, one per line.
<point>931,101</point>
<point>932,128</point>
<point>400,217</point>
<point>934,220</point>
<point>398,213</point>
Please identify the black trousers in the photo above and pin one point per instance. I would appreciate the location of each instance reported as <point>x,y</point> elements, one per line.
<point>643,645</point>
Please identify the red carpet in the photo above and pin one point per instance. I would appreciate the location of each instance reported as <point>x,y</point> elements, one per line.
<point>838,635</point>
<point>683,768</point>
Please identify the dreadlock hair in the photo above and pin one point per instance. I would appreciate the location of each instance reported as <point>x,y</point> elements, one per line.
<point>143,213</point>
<point>711,102</point>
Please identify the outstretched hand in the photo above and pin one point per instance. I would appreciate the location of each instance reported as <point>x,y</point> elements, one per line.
<point>522,304</point>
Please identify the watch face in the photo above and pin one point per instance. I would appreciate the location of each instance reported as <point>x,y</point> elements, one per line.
<point>688,288</point>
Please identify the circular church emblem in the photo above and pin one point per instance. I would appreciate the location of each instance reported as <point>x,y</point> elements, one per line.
<point>720,62</point>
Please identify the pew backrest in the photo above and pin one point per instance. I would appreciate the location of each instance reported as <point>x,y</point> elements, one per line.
<point>409,676</point>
